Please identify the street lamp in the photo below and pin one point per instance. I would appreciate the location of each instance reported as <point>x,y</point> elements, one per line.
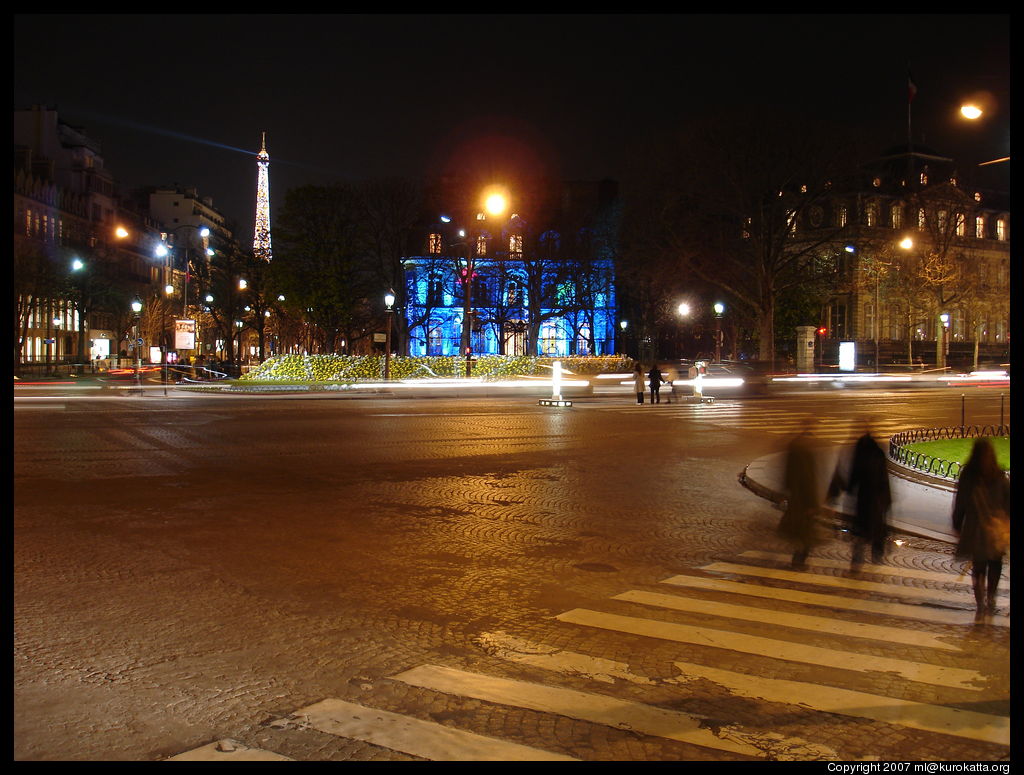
<point>389,301</point>
<point>942,345</point>
<point>719,309</point>
<point>623,324</point>
<point>78,266</point>
<point>136,310</point>
<point>684,312</point>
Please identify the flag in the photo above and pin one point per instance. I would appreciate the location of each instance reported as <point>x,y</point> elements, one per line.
<point>911,88</point>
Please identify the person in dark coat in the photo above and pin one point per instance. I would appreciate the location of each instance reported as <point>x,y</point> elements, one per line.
<point>869,482</point>
<point>656,379</point>
<point>799,524</point>
<point>981,518</point>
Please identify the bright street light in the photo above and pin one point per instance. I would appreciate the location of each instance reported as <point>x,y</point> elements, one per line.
<point>970,111</point>
<point>684,309</point>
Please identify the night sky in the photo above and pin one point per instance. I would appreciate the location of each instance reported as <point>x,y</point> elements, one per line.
<point>183,99</point>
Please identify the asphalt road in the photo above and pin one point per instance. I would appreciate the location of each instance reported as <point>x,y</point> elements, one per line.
<point>194,569</point>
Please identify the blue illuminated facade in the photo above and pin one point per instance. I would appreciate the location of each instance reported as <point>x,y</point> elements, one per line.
<point>517,305</point>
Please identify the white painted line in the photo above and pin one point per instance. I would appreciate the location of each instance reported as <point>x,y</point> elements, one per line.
<point>830,626</point>
<point>906,713</point>
<point>413,736</point>
<point>881,570</point>
<point>552,658</point>
<point>228,751</point>
<point>901,610</point>
<point>776,649</point>
<point>842,582</point>
<point>595,708</point>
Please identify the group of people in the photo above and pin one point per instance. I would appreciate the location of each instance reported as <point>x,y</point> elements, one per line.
<point>654,379</point>
<point>981,508</point>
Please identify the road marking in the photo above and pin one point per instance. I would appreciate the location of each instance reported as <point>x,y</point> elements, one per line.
<point>776,649</point>
<point>425,739</point>
<point>916,715</point>
<point>830,626</point>
<point>841,582</point>
<point>551,658</point>
<point>881,570</point>
<point>902,610</point>
<point>228,751</point>
<point>595,708</point>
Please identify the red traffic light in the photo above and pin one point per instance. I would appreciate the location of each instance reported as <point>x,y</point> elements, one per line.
<point>822,330</point>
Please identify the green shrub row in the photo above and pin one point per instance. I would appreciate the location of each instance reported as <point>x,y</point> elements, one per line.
<point>357,368</point>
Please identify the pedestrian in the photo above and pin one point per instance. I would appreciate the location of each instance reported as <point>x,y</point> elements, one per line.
<point>799,524</point>
<point>656,379</point>
<point>868,481</point>
<point>670,391</point>
<point>981,518</point>
<point>638,383</point>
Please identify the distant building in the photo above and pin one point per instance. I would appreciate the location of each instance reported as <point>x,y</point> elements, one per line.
<point>925,264</point>
<point>537,284</point>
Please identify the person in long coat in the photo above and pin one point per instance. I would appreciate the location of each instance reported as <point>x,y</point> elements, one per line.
<point>638,383</point>
<point>799,523</point>
<point>981,518</point>
<point>869,481</point>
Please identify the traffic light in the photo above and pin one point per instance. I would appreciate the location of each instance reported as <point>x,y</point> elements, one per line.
<point>822,331</point>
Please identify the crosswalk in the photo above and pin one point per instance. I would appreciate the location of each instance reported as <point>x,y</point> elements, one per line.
<point>886,646</point>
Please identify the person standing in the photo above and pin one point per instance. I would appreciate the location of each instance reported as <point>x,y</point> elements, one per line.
<point>869,482</point>
<point>799,524</point>
<point>638,383</point>
<point>656,379</point>
<point>981,518</point>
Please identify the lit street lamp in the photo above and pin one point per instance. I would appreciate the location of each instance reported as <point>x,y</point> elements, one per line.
<point>623,325</point>
<point>719,309</point>
<point>389,301</point>
<point>136,311</point>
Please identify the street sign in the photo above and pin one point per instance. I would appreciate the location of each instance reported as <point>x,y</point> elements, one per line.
<point>184,334</point>
<point>380,337</point>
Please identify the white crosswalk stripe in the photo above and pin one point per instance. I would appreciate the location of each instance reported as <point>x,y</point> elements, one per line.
<point>708,613</point>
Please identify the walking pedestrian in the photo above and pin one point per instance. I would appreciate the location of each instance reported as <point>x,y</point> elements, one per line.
<point>656,379</point>
<point>981,518</point>
<point>799,524</point>
<point>638,383</point>
<point>868,481</point>
<point>670,391</point>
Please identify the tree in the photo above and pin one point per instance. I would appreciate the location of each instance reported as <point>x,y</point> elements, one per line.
<point>729,203</point>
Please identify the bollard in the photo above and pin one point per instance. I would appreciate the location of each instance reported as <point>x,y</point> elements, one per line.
<point>961,410</point>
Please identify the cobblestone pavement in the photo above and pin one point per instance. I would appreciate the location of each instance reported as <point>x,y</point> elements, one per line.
<point>381,580</point>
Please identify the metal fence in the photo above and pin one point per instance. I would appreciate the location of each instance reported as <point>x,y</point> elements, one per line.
<point>931,464</point>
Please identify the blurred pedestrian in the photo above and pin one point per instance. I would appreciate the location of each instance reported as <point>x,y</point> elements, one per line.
<point>656,379</point>
<point>638,383</point>
<point>799,525</point>
<point>670,391</point>
<point>981,518</point>
<point>868,482</point>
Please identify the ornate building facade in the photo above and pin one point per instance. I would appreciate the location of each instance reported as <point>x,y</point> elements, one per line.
<point>498,285</point>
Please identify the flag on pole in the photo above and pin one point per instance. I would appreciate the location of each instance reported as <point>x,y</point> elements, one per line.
<point>911,88</point>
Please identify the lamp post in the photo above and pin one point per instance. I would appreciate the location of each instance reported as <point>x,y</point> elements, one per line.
<point>942,345</point>
<point>136,310</point>
<point>389,301</point>
<point>78,268</point>
<point>684,312</point>
<point>719,309</point>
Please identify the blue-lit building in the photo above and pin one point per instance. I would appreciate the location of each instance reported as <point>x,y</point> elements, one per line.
<point>549,292</point>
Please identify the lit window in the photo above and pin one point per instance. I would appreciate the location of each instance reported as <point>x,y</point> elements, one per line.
<point>942,220</point>
<point>924,177</point>
<point>977,196</point>
<point>515,245</point>
<point>481,246</point>
<point>434,244</point>
<point>921,222</point>
<point>961,225</point>
<point>896,216</point>
<point>979,227</point>
<point>791,222</point>
<point>1001,229</point>
<point>842,215</point>
<point>871,214</point>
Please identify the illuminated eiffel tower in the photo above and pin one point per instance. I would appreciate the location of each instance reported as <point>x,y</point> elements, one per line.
<point>261,239</point>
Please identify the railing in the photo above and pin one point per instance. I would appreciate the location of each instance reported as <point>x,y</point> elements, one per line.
<point>931,464</point>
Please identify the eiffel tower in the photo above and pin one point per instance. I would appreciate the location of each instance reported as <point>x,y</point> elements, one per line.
<point>261,239</point>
